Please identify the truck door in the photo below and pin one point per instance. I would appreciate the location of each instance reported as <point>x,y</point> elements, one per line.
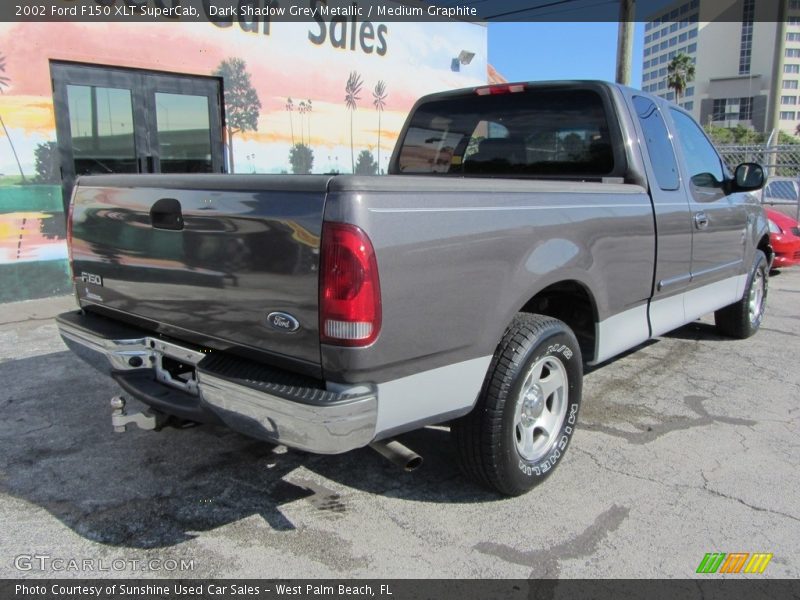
<point>672,215</point>
<point>719,220</point>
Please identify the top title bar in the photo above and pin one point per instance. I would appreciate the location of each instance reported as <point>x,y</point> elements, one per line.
<point>243,11</point>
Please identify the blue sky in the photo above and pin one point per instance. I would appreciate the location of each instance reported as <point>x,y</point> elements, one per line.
<point>542,51</point>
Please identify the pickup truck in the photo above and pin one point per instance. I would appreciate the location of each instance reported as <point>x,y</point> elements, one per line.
<point>523,231</point>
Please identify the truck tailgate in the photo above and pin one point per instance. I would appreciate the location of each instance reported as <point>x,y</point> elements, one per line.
<point>210,257</point>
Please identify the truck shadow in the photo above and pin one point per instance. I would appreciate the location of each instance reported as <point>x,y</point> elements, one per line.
<point>153,490</point>
<point>698,331</point>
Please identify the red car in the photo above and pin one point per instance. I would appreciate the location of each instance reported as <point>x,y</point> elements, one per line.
<point>784,235</point>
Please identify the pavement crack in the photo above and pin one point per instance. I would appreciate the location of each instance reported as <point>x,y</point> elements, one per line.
<point>3,323</point>
<point>713,492</point>
<point>546,561</point>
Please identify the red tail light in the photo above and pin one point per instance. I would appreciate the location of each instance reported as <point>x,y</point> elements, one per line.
<point>349,291</point>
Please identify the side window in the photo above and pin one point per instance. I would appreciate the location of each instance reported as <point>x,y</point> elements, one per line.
<point>659,147</point>
<point>702,161</point>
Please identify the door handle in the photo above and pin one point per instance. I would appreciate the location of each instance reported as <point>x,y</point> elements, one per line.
<point>167,214</point>
<point>700,220</point>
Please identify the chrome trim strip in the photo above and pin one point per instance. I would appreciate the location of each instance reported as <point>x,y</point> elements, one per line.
<point>714,269</point>
<point>664,283</point>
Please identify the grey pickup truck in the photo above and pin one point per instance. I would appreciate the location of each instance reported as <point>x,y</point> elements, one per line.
<point>524,231</point>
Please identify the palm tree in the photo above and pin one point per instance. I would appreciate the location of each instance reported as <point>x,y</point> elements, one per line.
<point>680,72</point>
<point>289,109</point>
<point>4,81</point>
<point>379,102</point>
<point>308,112</point>
<point>352,89</point>
<point>301,108</point>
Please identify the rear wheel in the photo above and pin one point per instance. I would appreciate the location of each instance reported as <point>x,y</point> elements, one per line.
<point>743,318</point>
<point>527,409</point>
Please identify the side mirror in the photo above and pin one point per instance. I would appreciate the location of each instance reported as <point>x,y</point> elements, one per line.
<point>748,177</point>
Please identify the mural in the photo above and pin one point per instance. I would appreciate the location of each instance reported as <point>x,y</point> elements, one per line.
<point>299,98</point>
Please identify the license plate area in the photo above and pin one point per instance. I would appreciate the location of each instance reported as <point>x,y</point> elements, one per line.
<point>175,366</point>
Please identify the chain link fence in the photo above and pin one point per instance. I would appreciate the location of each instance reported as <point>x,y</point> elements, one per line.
<point>783,167</point>
<point>780,161</point>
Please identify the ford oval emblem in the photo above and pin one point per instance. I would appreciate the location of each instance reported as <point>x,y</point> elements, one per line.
<point>283,322</point>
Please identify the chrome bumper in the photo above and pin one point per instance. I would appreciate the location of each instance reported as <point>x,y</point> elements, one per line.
<point>308,418</point>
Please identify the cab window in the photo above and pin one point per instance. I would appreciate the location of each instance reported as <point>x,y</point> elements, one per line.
<point>703,164</point>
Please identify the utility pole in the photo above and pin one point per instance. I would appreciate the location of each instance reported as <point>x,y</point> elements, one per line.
<point>625,41</point>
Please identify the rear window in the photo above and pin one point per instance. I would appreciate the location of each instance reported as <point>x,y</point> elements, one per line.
<point>556,133</point>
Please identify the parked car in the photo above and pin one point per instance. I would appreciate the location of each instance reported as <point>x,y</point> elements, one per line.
<point>784,236</point>
<point>783,195</point>
<point>524,230</point>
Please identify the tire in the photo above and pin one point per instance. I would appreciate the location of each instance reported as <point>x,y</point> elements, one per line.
<point>526,412</point>
<point>743,318</point>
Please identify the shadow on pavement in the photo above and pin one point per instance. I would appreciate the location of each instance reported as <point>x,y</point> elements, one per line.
<point>152,490</point>
<point>697,331</point>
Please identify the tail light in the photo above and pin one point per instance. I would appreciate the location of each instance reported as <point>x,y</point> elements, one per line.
<point>349,291</point>
<point>500,88</point>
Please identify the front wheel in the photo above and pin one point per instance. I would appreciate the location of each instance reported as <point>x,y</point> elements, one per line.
<point>743,318</point>
<point>526,413</point>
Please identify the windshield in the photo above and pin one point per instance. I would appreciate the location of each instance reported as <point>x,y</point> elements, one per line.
<point>558,133</point>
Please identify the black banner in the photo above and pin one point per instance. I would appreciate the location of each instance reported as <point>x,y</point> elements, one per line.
<point>382,10</point>
<point>734,588</point>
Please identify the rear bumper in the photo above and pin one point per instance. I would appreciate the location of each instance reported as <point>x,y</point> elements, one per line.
<point>251,398</point>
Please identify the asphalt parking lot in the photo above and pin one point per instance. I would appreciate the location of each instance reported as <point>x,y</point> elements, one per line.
<point>686,446</point>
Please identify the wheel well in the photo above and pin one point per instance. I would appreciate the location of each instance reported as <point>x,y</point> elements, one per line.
<point>766,248</point>
<point>571,302</point>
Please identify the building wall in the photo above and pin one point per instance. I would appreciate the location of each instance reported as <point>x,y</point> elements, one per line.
<point>720,39</point>
<point>284,60</point>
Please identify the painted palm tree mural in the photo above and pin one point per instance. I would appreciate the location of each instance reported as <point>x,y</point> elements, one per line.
<point>242,105</point>
<point>308,119</point>
<point>352,89</point>
<point>302,109</point>
<point>290,109</point>
<point>4,82</point>
<point>379,96</point>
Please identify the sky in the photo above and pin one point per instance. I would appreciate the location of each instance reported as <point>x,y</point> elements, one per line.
<point>570,50</point>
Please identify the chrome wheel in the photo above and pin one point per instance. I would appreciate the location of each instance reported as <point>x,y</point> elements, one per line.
<point>541,408</point>
<point>757,295</point>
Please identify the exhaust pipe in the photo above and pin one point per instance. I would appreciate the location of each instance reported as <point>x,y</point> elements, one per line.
<point>403,457</point>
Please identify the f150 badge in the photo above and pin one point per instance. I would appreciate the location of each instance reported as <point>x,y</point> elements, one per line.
<point>91,278</point>
<point>282,322</point>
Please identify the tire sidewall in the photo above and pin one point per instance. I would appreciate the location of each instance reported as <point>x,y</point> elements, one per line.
<point>560,344</point>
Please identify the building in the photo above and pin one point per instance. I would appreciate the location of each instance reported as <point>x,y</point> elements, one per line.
<point>325,95</point>
<point>746,55</point>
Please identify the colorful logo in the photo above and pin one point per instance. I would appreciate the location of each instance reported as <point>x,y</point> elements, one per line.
<point>735,562</point>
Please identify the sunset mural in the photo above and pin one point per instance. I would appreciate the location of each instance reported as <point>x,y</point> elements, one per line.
<point>290,62</point>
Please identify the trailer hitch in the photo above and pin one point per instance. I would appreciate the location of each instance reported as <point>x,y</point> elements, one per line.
<point>148,420</point>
